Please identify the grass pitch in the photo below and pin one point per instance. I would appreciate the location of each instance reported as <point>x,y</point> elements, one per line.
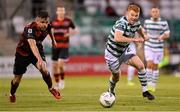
<point>82,94</point>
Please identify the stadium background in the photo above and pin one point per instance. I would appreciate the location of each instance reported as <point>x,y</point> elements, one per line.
<point>82,93</point>
<point>93,19</point>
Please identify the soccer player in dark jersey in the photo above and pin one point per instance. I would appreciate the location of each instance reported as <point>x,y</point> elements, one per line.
<point>30,51</point>
<point>62,27</point>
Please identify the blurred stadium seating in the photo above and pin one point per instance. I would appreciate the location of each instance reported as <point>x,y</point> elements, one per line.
<point>90,17</point>
<point>98,24</point>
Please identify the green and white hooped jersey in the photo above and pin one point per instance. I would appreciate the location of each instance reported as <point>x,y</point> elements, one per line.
<point>128,30</point>
<point>154,29</point>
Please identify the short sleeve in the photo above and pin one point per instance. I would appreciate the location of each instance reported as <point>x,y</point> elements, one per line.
<point>49,27</point>
<point>29,32</point>
<point>72,25</point>
<point>166,27</point>
<point>120,26</point>
<point>145,26</point>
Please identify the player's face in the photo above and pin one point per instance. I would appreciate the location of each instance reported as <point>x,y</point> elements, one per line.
<point>132,16</point>
<point>43,23</point>
<point>60,12</point>
<point>155,13</point>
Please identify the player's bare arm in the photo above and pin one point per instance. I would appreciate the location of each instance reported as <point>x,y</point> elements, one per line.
<point>32,44</point>
<point>54,44</point>
<point>164,36</point>
<point>118,37</point>
<point>142,33</point>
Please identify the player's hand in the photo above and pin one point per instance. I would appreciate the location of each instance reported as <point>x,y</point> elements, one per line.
<point>40,64</point>
<point>137,39</point>
<point>146,37</point>
<point>160,38</point>
<point>54,44</point>
<point>67,35</point>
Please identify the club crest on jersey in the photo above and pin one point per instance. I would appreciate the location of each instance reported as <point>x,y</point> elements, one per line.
<point>29,30</point>
<point>134,29</point>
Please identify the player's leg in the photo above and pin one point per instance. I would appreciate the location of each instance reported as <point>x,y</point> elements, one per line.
<point>158,56</point>
<point>62,74</point>
<point>154,78</point>
<point>14,85</point>
<point>56,73</point>
<point>136,62</point>
<point>149,74</point>
<point>114,78</point>
<point>113,64</point>
<point>128,54</point>
<point>149,56</point>
<point>63,57</point>
<point>19,69</point>
<point>47,79</point>
<point>130,75</point>
<point>46,75</point>
<point>55,66</point>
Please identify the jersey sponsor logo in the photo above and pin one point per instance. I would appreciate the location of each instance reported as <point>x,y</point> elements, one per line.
<point>60,30</point>
<point>29,30</point>
<point>128,50</point>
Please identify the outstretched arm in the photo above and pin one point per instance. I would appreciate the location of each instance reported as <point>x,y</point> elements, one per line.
<point>32,44</point>
<point>54,44</point>
<point>142,33</point>
<point>118,37</point>
<point>164,36</point>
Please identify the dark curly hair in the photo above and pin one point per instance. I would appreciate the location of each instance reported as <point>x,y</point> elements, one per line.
<point>43,14</point>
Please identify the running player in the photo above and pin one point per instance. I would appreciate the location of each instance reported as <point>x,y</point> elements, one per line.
<point>30,51</point>
<point>119,50</point>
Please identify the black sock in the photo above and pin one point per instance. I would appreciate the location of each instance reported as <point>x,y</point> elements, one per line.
<point>13,87</point>
<point>47,79</point>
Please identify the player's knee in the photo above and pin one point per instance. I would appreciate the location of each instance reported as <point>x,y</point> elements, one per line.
<point>55,64</point>
<point>61,69</point>
<point>155,67</point>
<point>55,68</point>
<point>17,79</point>
<point>140,67</point>
<point>149,65</point>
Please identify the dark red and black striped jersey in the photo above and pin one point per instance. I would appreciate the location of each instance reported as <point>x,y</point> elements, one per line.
<point>31,31</point>
<point>61,28</point>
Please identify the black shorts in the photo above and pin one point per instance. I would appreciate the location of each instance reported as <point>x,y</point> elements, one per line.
<point>21,62</point>
<point>60,53</point>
